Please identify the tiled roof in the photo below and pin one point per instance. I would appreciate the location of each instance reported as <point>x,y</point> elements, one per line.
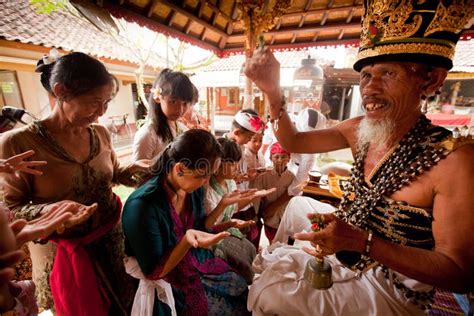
<point>62,29</point>
<point>464,57</point>
<point>287,59</point>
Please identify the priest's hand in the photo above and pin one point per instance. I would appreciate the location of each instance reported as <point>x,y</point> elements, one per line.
<point>336,236</point>
<point>263,69</point>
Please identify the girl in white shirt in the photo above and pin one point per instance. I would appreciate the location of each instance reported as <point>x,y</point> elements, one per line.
<point>172,95</point>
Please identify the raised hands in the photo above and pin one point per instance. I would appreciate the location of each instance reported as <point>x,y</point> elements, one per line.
<point>263,69</point>
<point>61,215</point>
<point>57,219</point>
<point>236,196</point>
<point>238,223</point>
<point>197,238</point>
<point>335,236</point>
<point>18,164</point>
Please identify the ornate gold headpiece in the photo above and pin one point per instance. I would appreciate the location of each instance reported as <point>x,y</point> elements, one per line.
<point>412,30</point>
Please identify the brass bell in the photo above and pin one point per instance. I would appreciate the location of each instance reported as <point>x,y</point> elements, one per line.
<point>318,273</point>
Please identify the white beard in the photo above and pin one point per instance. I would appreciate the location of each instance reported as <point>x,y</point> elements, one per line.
<point>377,132</point>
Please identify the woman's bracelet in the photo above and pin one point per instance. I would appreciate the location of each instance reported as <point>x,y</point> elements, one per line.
<point>280,114</point>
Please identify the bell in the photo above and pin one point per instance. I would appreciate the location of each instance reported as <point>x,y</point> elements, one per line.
<point>318,273</point>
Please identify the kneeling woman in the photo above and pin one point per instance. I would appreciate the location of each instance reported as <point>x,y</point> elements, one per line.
<point>164,228</point>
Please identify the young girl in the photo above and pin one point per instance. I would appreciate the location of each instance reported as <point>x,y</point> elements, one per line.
<point>164,225</point>
<point>172,95</point>
<point>222,202</point>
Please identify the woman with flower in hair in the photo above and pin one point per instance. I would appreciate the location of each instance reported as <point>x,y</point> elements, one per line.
<point>87,276</point>
<point>172,95</point>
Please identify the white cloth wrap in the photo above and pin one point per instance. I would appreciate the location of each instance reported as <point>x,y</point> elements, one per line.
<point>279,286</point>
<point>145,296</point>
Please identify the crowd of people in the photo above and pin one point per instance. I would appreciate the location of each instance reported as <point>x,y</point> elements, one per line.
<point>187,240</point>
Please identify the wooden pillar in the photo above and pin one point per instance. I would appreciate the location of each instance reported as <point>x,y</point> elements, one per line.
<point>248,89</point>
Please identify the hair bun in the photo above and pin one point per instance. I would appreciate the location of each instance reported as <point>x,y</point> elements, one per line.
<point>40,66</point>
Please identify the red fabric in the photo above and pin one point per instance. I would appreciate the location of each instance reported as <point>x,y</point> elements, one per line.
<point>74,284</point>
<point>449,119</point>
<point>277,149</point>
<point>270,232</point>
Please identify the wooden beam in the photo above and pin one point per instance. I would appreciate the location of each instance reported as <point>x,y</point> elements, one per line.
<point>341,34</point>
<point>234,11</point>
<point>201,8</point>
<point>302,20</point>
<point>195,18</point>
<point>293,39</point>
<point>325,17</point>
<point>152,7</point>
<point>330,4</point>
<point>216,9</point>
<point>169,19</point>
<point>230,28</point>
<point>338,9</point>
<point>308,28</point>
<point>353,41</point>
<point>187,27</point>
<point>203,34</point>
<point>308,5</point>
<point>351,15</point>
<point>278,25</point>
<point>222,43</point>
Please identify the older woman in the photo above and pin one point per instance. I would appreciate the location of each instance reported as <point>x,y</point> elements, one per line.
<point>82,168</point>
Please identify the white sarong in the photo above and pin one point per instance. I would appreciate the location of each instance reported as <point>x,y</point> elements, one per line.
<point>145,296</point>
<point>279,286</point>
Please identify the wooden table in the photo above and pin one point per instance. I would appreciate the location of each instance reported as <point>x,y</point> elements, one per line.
<point>321,193</point>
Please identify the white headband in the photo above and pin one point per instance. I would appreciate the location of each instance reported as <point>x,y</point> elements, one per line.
<point>248,121</point>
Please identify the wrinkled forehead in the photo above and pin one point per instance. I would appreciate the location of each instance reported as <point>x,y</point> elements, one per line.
<point>395,66</point>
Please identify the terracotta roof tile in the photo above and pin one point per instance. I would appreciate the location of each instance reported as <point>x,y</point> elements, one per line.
<point>61,29</point>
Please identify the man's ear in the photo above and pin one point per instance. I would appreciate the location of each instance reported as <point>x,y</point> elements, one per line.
<point>435,80</point>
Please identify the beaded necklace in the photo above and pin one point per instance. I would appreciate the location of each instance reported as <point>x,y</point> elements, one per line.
<point>413,155</point>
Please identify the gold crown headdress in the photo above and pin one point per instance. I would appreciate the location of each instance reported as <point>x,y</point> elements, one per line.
<point>412,30</point>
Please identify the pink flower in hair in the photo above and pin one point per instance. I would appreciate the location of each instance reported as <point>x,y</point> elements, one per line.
<point>256,123</point>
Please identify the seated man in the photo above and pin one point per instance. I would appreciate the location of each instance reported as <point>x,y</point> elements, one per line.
<point>404,223</point>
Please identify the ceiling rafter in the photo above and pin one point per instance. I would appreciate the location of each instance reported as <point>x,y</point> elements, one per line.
<point>152,8</point>
<point>317,11</point>
<point>215,9</point>
<point>195,18</point>
<point>305,29</point>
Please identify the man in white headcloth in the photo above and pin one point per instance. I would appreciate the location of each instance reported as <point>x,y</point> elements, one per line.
<point>308,119</point>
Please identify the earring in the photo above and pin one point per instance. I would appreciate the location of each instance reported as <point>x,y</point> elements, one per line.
<point>424,104</point>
